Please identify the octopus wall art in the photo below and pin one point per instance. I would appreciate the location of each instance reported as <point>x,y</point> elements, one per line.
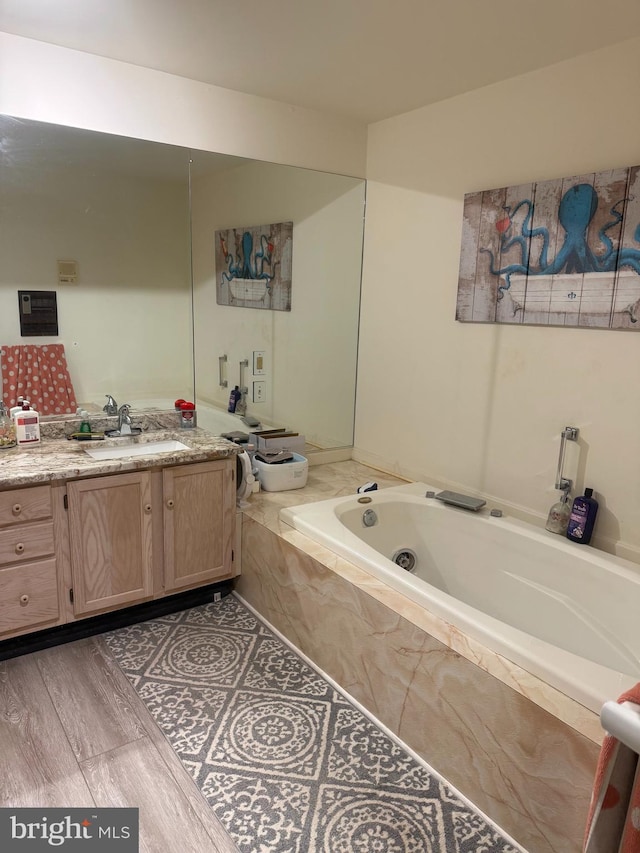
<point>253,266</point>
<point>558,253</point>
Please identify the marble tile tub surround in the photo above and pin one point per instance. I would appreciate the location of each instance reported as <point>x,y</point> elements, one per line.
<point>517,762</point>
<point>343,478</point>
<point>57,458</point>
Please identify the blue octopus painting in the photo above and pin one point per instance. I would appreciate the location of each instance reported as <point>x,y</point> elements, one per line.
<point>580,244</point>
<point>253,266</point>
<point>246,263</point>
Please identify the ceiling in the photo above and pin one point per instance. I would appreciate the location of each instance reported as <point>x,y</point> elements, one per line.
<point>364,59</point>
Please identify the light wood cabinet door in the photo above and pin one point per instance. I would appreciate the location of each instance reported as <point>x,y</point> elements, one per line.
<point>110,530</point>
<point>28,570</point>
<point>28,596</point>
<point>20,505</point>
<point>199,522</point>
<point>21,543</point>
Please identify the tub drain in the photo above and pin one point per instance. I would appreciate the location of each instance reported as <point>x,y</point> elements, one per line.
<point>406,559</point>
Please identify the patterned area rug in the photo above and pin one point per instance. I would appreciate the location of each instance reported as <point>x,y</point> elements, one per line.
<point>285,762</point>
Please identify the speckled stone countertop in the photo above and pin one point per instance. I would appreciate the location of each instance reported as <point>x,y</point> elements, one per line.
<point>58,458</point>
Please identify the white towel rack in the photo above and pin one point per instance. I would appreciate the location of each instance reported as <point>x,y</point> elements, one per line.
<point>623,722</point>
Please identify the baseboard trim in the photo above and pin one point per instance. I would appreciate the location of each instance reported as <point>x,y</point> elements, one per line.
<point>39,640</point>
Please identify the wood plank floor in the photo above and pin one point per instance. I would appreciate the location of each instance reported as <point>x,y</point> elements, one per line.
<point>74,733</point>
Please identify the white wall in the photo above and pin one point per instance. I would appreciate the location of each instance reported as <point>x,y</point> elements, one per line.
<point>310,350</point>
<point>54,84</point>
<point>481,407</point>
<point>126,324</point>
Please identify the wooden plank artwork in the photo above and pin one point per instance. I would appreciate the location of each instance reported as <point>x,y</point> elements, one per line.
<point>254,266</point>
<point>563,252</point>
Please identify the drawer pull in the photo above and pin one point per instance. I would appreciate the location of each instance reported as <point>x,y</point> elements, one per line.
<point>170,503</point>
<point>147,508</point>
<point>16,509</point>
<point>24,600</point>
<point>20,548</point>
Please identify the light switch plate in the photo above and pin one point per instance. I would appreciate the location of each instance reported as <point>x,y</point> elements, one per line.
<point>258,362</point>
<point>259,391</point>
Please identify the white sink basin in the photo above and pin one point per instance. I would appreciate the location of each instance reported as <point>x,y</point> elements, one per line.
<point>146,449</point>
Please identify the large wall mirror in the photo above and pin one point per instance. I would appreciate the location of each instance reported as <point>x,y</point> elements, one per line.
<point>141,321</point>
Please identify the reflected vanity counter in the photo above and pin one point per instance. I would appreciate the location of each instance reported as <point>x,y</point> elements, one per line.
<point>519,749</point>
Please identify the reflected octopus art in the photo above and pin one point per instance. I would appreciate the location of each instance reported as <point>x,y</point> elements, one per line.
<point>253,266</point>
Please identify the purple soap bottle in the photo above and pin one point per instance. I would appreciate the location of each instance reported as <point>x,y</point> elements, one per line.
<point>582,518</point>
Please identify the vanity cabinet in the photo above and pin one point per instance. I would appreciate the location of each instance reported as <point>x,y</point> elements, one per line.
<point>111,535</point>
<point>89,546</point>
<point>199,518</point>
<point>145,534</point>
<point>28,571</point>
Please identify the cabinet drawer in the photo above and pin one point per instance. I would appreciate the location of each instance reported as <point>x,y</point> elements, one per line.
<point>26,542</point>
<point>28,595</point>
<point>25,505</point>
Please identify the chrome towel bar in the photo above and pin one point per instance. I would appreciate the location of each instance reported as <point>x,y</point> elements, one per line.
<point>622,721</point>
<point>567,434</point>
<point>222,359</point>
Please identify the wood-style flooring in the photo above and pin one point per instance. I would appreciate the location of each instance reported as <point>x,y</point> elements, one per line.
<point>74,733</point>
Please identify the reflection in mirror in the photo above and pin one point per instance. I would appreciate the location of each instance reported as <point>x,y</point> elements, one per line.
<point>144,302</point>
<point>119,208</point>
<point>308,369</point>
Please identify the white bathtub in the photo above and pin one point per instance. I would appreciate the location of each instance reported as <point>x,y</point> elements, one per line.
<point>217,421</point>
<point>569,614</point>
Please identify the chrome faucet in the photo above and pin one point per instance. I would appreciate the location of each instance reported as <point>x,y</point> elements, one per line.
<point>110,407</point>
<point>124,419</point>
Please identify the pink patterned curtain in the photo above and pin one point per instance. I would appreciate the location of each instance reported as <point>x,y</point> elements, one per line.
<point>38,373</point>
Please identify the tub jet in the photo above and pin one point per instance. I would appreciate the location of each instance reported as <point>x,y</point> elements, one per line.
<point>369,517</point>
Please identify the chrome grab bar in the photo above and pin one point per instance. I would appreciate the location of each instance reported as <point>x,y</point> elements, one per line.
<point>567,434</point>
<point>222,359</point>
